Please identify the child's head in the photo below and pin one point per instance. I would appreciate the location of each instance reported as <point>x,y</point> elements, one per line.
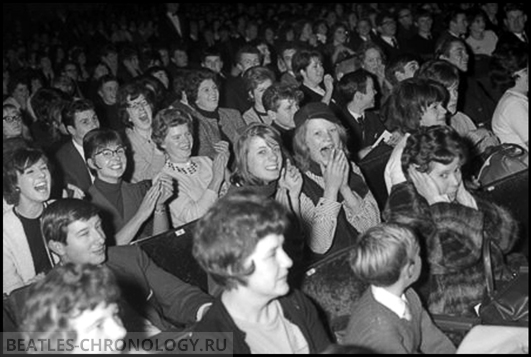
<point>385,254</point>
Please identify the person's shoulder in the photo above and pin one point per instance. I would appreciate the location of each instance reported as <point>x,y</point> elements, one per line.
<point>229,112</point>
<point>202,160</point>
<point>65,149</point>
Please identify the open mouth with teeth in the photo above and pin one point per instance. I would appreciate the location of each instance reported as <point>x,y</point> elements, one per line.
<point>42,188</point>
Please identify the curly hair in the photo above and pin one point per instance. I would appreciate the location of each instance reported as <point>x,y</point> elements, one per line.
<point>405,106</point>
<point>257,75</point>
<point>65,293</point>
<point>193,82</point>
<point>166,119</point>
<point>277,92</point>
<point>229,232</point>
<point>440,144</point>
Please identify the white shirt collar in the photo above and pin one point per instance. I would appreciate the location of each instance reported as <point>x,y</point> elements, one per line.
<point>356,115</point>
<point>392,302</point>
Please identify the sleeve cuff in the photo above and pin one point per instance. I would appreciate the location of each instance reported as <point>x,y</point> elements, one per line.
<point>202,310</point>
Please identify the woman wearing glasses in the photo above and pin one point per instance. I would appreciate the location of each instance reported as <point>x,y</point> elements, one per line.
<point>125,207</point>
<point>12,125</point>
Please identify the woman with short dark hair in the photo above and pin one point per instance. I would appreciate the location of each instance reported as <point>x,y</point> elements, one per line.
<point>451,223</point>
<point>239,243</point>
<point>27,186</point>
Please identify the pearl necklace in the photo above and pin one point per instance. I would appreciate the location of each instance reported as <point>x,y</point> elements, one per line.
<point>190,169</point>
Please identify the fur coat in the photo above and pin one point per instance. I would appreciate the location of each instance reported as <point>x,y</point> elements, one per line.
<point>451,237</point>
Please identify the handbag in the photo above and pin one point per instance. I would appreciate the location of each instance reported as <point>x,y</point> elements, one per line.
<point>505,160</point>
<point>507,304</point>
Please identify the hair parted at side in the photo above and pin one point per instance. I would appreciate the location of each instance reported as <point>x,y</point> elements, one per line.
<point>271,136</point>
<point>229,232</point>
<point>382,252</point>
<point>59,215</point>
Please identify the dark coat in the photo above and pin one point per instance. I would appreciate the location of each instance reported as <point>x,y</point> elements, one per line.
<point>73,167</point>
<point>297,309</point>
<point>162,298</point>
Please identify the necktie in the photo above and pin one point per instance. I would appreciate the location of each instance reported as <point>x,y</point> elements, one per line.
<point>395,44</point>
<point>361,121</point>
<point>524,36</point>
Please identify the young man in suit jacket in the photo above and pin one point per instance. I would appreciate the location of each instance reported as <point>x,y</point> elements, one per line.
<point>72,230</point>
<point>79,118</point>
<point>357,90</point>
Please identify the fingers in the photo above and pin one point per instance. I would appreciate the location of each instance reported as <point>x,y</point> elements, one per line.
<point>221,147</point>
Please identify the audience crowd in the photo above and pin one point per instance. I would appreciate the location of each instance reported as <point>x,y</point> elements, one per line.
<point>253,121</point>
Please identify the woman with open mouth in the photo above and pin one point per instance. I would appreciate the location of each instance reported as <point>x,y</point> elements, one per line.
<point>136,110</point>
<point>27,186</point>
<point>200,180</point>
<point>336,203</point>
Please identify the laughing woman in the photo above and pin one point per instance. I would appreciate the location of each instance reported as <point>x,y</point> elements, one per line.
<point>336,204</point>
<point>27,185</point>
<point>137,115</point>
<point>199,178</point>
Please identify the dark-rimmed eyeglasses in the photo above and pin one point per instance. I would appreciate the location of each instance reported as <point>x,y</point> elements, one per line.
<point>12,119</point>
<point>109,154</point>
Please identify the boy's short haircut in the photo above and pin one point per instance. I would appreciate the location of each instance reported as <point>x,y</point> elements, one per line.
<point>397,65</point>
<point>255,76</point>
<point>422,14</point>
<point>354,82</point>
<point>210,52</point>
<point>382,253</point>
<point>106,79</point>
<point>76,107</point>
<point>440,71</point>
<point>65,293</point>
<point>277,92</point>
<point>228,234</point>
<point>247,49</point>
<point>60,214</point>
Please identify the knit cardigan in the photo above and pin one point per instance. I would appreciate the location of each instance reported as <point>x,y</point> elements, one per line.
<point>452,237</point>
